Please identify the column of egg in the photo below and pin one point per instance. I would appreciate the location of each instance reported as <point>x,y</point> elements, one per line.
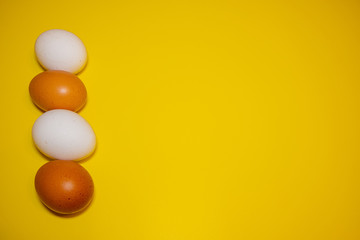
<point>60,133</point>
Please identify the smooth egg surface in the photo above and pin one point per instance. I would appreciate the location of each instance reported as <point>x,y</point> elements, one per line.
<point>64,187</point>
<point>56,89</point>
<point>64,135</point>
<point>58,49</point>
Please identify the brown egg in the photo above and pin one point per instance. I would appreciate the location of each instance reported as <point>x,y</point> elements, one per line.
<point>55,89</point>
<point>64,186</point>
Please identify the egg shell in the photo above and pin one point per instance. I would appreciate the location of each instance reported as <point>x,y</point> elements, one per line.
<point>58,49</point>
<point>63,134</point>
<point>65,187</point>
<point>57,89</point>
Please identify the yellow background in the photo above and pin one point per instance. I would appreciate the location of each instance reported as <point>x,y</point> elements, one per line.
<point>214,119</point>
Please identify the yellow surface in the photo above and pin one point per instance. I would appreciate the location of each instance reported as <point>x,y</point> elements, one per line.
<point>214,119</point>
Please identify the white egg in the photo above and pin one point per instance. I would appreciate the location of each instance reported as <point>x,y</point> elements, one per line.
<point>64,135</point>
<point>58,49</point>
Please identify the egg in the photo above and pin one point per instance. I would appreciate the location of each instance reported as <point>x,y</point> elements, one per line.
<point>65,187</point>
<point>57,89</point>
<point>58,49</point>
<point>64,135</point>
